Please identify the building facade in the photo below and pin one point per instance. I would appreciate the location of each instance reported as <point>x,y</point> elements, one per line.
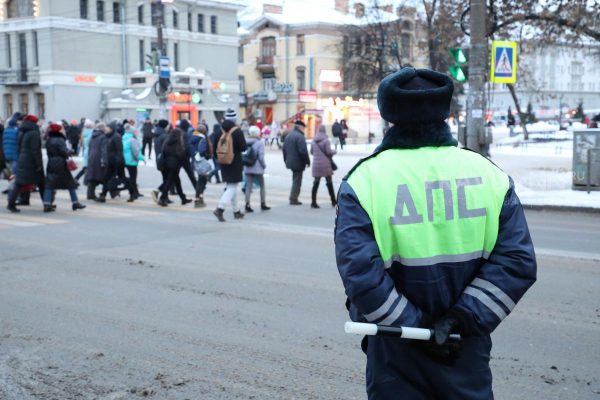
<point>554,80</point>
<point>290,66</point>
<point>67,59</point>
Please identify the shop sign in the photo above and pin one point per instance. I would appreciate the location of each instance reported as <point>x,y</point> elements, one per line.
<point>330,75</point>
<point>179,97</point>
<point>218,86</point>
<point>307,96</point>
<point>88,79</point>
<point>284,87</point>
<point>265,97</point>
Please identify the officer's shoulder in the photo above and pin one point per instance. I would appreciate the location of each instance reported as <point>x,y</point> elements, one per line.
<point>479,158</point>
<point>362,162</point>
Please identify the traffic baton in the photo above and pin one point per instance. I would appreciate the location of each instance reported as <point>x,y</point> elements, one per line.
<point>359,328</point>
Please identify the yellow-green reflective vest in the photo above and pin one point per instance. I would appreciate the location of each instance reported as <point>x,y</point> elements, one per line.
<point>431,205</point>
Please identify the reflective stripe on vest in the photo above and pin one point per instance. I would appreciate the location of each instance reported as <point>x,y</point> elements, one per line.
<point>431,205</point>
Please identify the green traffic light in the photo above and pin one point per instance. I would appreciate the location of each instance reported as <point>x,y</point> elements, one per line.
<point>459,55</point>
<point>458,73</point>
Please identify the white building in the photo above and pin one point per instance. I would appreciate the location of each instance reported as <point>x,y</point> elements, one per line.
<point>71,59</point>
<point>557,76</point>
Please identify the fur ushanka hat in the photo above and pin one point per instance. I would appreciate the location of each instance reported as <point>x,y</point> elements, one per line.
<point>415,96</point>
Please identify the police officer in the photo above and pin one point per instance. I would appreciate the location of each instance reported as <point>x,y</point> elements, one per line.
<point>434,236</point>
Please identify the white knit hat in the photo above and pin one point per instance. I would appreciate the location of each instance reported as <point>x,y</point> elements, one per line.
<point>231,115</point>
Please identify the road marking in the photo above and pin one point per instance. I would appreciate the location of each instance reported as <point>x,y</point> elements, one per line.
<point>567,254</point>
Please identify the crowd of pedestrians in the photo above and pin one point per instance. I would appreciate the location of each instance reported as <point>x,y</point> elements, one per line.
<point>233,153</point>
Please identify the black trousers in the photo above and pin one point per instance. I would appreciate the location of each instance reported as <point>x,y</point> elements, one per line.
<point>12,198</point>
<point>172,180</point>
<point>147,141</point>
<point>118,171</point>
<point>296,185</point>
<point>132,171</point>
<point>200,185</point>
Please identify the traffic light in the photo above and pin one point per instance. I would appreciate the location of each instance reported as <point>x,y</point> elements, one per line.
<point>150,62</point>
<point>460,70</point>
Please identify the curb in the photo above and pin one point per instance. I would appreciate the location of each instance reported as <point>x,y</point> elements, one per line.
<point>538,207</point>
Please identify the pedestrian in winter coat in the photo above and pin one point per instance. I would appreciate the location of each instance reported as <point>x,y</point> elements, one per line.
<point>30,168</point>
<point>73,136</point>
<point>147,136</point>
<point>295,155</point>
<point>232,173</point>
<point>433,236</point>
<point>175,155</point>
<point>322,166</point>
<point>115,164</point>
<point>10,140</point>
<point>86,136</point>
<point>213,139</point>
<point>133,155</point>
<point>160,135</point>
<point>96,165</point>
<point>344,134</point>
<point>336,132</point>
<point>2,158</point>
<point>201,146</point>
<point>255,172</point>
<point>58,175</point>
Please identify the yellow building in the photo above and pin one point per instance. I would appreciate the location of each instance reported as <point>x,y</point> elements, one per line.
<point>289,66</point>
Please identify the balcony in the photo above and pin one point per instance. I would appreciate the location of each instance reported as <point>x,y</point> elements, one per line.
<point>265,64</point>
<point>19,77</point>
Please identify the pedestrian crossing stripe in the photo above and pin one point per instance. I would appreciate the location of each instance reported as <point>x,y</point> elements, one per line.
<point>504,62</point>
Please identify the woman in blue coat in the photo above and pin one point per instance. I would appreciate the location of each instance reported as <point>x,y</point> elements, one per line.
<point>132,155</point>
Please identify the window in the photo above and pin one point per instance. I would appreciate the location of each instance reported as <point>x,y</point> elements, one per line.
<point>213,24</point>
<point>269,81</point>
<point>405,44</point>
<point>241,54</point>
<point>8,104</point>
<point>175,19</point>
<point>18,8</point>
<point>83,9</point>
<point>100,10</point>
<point>116,12</point>
<point>142,54</point>
<point>267,52</point>
<point>176,56</point>
<point>9,52</point>
<point>242,84</point>
<point>36,54</point>
<point>189,16</point>
<point>141,14</point>
<point>200,22</point>
<point>22,57</point>
<point>300,45</point>
<point>24,103</point>
<point>301,78</point>
<point>41,105</point>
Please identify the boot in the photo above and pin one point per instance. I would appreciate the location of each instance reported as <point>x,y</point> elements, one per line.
<point>48,208</point>
<point>78,206</point>
<point>100,199</point>
<point>219,214</point>
<point>12,208</point>
<point>238,215</point>
<point>163,203</point>
<point>91,191</point>
<point>185,201</point>
<point>315,189</point>
<point>331,193</point>
<point>155,196</point>
<point>264,207</point>
<point>199,203</point>
<point>248,208</point>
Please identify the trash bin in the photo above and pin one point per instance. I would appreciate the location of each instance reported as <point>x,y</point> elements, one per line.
<point>586,159</point>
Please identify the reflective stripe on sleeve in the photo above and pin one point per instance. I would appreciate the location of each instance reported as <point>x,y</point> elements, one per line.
<point>486,300</point>
<point>384,308</point>
<point>444,258</point>
<point>396,313</point>
<point>496,291</point>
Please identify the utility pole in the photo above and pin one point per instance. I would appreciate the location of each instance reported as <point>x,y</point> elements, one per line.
<point>159,15</point>
<point>477,72</point>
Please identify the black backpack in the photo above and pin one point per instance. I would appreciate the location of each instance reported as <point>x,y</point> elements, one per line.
<point>249,156</point>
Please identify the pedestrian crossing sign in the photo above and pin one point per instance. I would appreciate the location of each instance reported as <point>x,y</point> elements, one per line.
<point>504,62</point>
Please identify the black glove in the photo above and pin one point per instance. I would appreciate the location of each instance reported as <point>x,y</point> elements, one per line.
<point>441,349</point>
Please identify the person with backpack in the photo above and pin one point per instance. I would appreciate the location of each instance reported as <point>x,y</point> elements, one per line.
<point>230,145</point>
<point>254,167</point>
<point>295,156</point>
<point>202,149</point>
<point>133,155</point>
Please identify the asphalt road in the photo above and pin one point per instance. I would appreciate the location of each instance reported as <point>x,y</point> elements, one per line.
<point>126,301</point>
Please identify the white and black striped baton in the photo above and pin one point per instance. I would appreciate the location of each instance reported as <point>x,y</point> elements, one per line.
<point>403,332</point>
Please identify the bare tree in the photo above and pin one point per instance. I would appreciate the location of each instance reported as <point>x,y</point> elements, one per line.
<point>371,47</point>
